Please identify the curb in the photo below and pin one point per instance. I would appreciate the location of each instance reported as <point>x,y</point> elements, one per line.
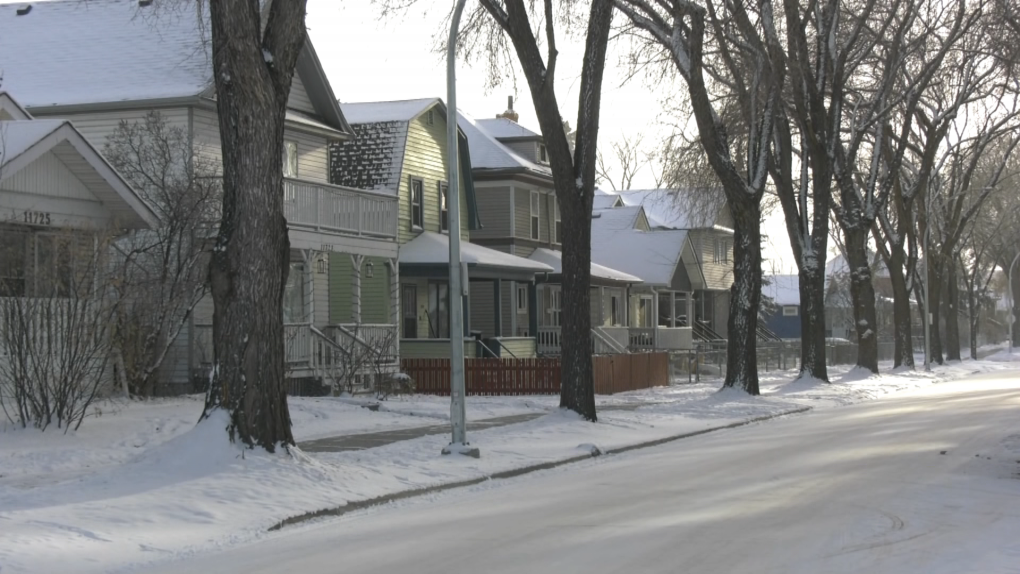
<point>386,498</point>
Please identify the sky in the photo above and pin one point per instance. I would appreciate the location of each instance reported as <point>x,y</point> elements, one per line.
<point>368,58</point>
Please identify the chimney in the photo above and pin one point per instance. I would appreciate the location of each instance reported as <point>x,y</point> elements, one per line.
<point>509,114</point>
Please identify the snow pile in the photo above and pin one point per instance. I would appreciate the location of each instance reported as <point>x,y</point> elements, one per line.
<point>141,483</point>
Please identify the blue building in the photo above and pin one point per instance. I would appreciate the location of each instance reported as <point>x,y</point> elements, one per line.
<point>784,293</point>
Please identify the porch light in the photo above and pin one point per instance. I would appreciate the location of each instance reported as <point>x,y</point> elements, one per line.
<point>369,270</point>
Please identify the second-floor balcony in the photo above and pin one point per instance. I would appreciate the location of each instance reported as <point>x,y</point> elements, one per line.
<point>335,209</point>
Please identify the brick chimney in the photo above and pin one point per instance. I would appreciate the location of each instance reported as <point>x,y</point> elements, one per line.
<point>509,114</point>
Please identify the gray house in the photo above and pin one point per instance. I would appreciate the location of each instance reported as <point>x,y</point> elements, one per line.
<point>101,62</point>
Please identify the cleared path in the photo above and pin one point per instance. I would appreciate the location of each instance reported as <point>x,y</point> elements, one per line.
<point>925,482</point>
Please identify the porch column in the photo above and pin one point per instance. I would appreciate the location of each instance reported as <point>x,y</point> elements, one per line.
<point>533,309</point>
<point>356,261</point>
<point>513,308</point>
<point>466,304</point>
<point>497,298</point>
<point>655,319</point>
<point>395,315</point>
<point>672,309</point>
<point>602,306</point>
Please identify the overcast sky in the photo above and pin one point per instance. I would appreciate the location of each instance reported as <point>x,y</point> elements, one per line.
<point>369,59</point>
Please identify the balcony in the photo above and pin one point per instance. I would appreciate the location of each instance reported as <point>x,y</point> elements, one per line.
<point>333,209</point>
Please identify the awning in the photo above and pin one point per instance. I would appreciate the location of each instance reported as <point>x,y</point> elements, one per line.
<point>429,255</point>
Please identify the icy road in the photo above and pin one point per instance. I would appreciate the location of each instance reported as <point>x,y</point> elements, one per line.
<point>922,482</point>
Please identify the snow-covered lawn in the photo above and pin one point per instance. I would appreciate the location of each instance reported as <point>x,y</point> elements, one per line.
<point>139,482</point>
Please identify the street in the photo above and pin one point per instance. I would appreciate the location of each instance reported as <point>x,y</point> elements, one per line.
<point>925,481</point>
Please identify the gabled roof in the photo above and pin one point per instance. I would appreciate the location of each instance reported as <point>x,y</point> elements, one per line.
<point>617,218</point>
<point>651,255</point>
<point>434,249</point>
<point>783,289</point>
<point>677,208</point>
<point>488,153</point>
<point>554,259</point>
<point>391,111</point>
<point>28,140</point>
<point>502,128</point>
<point>69,54</point>
<point>10,109</point>
<point>605,200</point>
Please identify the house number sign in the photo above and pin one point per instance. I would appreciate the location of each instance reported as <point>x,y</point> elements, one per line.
<point>37,217</point>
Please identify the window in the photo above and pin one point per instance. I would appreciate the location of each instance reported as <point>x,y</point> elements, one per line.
<point>45,264</point>
<point>535,198</point>
<point>557,224</point>
<point>790,311</point>
<point>439,311</point>
<point>444,213</point>
<point>543,154</point>
<point>409,310</point>
<point>722,250</point>
<point>614,310</point>
<point>417,213</point>
<point>643,317</point>
<point>522,299</point>
<point>290,159</point>
<point>553,305</point>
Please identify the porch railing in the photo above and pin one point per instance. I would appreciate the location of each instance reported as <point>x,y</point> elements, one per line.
<point>326,207</point>
<point>548,340</point>
<point>297,345</point>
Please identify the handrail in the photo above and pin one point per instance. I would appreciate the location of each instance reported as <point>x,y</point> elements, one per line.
<point>328,340</point>
<point>607,341</point>
<point>502,346</point>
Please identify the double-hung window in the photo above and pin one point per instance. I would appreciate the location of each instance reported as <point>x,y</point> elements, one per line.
<point>444,208</point>
<point>417,209</point>
<point>557,224</point>
<point>535,208</point>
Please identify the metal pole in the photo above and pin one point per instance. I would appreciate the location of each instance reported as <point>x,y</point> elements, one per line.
<point>927,299</point>
<point>458,422</point>
<point>1012,312</point>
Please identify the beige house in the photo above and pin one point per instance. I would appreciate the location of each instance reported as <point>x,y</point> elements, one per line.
<point>101,63</point>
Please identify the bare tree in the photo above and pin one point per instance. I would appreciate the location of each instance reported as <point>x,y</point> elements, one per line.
<point>747,68</point>
<point>630,158</point>
<point>532,35</point>
<point>161,274</point>
<point>255,52</point>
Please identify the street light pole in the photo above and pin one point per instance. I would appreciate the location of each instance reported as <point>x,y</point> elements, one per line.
<point>458,420</point>
<point>1012,312</point>
<point>927,299</point>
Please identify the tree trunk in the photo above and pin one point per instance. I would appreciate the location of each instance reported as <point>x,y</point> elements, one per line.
<point>251,256</point>
<point>973,316</point>
<point>951,310</point>
<point>812,321</point>
<point>745,298</point>
<point>577,389</point>
<point>932,312</point>
<point>862,293</point>
<point>903,344</point>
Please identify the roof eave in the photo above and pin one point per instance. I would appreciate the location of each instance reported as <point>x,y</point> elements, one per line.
<point>175,101</point>
<point>319,90</point>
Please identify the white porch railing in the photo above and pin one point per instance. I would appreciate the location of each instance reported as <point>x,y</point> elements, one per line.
<point>383,338</point>
<point>548,341</point>
<point>675,338</point>
<point>297,345</point>
<point>642,338</point>
<point>620,335</point>
<point>326,207</point>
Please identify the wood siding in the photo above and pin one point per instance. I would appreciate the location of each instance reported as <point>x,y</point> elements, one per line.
<point>48,176</point>
<point>718,276</point>
<point>298,99</point>
<point>425,158</point>
<point>375,290</point>
<point>97,127</point>
<point>528,149</point>
<point>522,212</point>
<point>494,211</point>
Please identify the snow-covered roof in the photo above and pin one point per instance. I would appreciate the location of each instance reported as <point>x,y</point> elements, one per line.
<point>675,208</point>
<point>839,264</point>
<point>10,109</point>
<point>555,260</point>
<point>651,255</point>
<point>391,111</point>
<point>71,53</point>
<point>617,218</point>
<point>25,141</point>
<point>502,128</point>
<point>434,249</point>
<point>605,200</point>
<point>488,153</point>
<point>783,289</point>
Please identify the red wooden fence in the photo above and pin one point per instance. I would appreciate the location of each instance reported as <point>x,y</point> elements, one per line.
<point>506,377</point>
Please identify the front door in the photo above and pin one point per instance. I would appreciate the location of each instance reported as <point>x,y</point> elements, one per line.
<point>409,306</point>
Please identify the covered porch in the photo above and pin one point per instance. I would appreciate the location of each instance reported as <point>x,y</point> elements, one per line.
<point>425,298</point>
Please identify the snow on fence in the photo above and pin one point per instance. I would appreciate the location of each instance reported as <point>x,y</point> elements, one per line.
<point>505,377</point>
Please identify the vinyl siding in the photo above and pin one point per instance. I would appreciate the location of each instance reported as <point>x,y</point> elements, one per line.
<point>425,158</point>
<point>528,149</point>
<point>522,212</point>
<point>718,276</point>
<point>97,127</point>
<point>483,314</point>
<point>48,176</point>
<point>520,347</point>
<point>298,99</point>
<point>494,211</point>
<point>375,290</point>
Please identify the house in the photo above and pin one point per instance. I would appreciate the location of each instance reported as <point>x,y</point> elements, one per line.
<point>517,202</point>
<point>61,205</point>
<point>783,312</point>
<point>706,218</point>
<point>102,62</point>
<point>400,150</point>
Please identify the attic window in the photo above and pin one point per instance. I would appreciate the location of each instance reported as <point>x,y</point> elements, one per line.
<point>430,118</point>
<point>543,155</point>
<point>790,311</point>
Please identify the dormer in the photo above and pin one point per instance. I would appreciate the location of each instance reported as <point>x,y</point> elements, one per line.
<point>526,143</point>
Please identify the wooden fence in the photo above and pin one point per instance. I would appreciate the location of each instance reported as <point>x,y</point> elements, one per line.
<point>507,377</point>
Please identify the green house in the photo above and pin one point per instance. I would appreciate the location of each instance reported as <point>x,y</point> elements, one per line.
<point>400,150</point>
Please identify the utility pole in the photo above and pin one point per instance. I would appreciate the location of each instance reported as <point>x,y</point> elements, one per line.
<point>458,420</point>
<point>927,299</point>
